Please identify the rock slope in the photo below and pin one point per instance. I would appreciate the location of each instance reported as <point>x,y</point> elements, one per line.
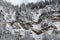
<point>29,22</point>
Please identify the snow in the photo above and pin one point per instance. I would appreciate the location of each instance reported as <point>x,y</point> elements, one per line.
<point>49,31</point>
<point>35,16</point>
<point>36,27</point>
<point>57,24</point>
<point>18,2</point>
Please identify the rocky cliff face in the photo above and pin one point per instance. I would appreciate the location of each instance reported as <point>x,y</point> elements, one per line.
<point>29,23</point>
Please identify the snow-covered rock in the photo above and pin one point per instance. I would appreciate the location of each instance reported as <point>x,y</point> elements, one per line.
<point>28,24</point>
<point>10,16</point>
